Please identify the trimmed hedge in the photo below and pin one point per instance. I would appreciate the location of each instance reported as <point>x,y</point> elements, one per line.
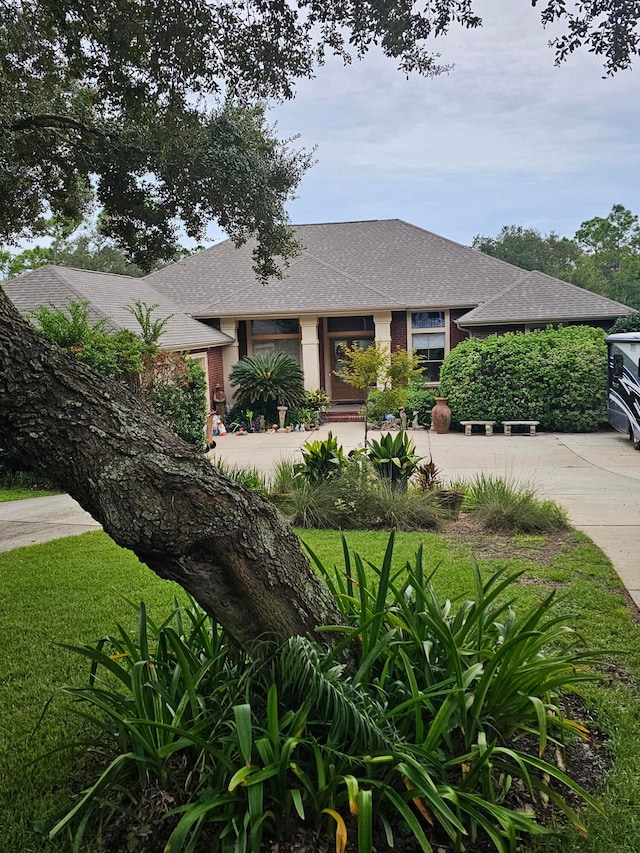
<point>555,376</point>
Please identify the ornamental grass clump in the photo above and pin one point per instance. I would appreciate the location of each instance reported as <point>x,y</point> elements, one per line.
<point>502,505</point>
<point>409,722</point>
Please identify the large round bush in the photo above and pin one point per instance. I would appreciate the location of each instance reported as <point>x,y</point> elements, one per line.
<point>555,376</point>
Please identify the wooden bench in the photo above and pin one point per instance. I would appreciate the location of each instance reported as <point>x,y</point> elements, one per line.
<point>531,424</point>
<point>468,426</point>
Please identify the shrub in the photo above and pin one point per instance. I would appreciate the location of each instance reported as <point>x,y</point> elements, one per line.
<point>630,323</point>
<point>176,390</point>
<point>556,376</point>
<point>504,506</point>
<point>357,500</point>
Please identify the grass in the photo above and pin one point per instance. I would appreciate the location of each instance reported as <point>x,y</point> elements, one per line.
<point>75,590</point>
<point>23,494</point>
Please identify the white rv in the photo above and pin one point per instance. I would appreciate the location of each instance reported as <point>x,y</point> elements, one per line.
<point>623,408</point>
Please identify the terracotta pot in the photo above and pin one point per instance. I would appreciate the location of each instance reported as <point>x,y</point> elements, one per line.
<point>441,416</point>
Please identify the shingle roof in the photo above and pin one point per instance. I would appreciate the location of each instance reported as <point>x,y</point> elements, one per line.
<point>108,294</point>
<point>377,264</point>
<point>537,297</point>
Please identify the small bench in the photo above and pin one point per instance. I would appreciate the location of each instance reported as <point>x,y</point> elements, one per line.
<point>468,426</point>
<point>531,424</point>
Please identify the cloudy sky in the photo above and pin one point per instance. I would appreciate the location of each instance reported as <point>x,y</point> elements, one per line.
<point>505,138</point>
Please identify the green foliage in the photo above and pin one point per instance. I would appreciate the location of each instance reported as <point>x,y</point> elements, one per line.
<point>316,398</point>
<point>176,389</point>
<point>263,382</point>
<point>150,330</point>
<point>509,507</point>
<point>321,460</point>
<point>394,458</point>
<point>119,355</point>
<point>417,701</point>
<point>611,263</point>
<point>531,250</point>
<point>555,376</point>
<point>247,476</point>
<point>357,500</point>
<point>68,591</point>
<point>389,400</point>
<point>630,323</point>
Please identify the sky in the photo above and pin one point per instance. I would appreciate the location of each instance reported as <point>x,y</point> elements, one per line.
<point>504,138</point>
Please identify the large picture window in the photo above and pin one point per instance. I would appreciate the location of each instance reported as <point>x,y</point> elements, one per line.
<point>283,335</point>
<point>429,340</point>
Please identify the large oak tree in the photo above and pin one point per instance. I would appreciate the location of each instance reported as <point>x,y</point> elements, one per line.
<point>150,107</point>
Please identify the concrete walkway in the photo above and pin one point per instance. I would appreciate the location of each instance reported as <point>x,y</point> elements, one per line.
<point>596,476</point>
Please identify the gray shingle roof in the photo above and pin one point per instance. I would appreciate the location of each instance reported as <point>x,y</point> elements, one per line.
<point>538,297</point>
<point>108,294</point>
<point>378,264</point>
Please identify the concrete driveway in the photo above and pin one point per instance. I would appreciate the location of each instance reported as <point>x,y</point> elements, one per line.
<point>596,476</point>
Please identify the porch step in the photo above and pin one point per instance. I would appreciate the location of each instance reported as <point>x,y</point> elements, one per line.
<point>343,414</point>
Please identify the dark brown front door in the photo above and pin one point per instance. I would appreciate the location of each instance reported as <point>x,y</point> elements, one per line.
<point>340,391</point>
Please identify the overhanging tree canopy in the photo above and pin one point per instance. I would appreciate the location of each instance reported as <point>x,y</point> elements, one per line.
<point>148,106</point>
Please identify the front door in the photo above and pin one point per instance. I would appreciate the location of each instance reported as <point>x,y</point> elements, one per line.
<point>341,391</point>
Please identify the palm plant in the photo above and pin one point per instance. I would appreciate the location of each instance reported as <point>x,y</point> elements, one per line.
<point>264,381</point>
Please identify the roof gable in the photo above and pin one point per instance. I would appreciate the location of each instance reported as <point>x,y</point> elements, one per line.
<point>108,295</point>
<point>537,297</point>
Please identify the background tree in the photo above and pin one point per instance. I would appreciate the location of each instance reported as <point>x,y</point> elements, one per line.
<point>125,114</point>
<point>610,263</point>
<point>630,323</point>
<point>531,250</point>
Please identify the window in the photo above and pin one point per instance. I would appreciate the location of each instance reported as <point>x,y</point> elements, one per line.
<point>350,324</point>
<point>268,336</point>
<point>431,345</point>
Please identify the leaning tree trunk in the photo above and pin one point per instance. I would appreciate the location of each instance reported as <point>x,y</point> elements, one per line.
<point>153,493</point>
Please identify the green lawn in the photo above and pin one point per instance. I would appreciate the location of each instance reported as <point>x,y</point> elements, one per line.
<point>23,494</point>
<point>75,590</point>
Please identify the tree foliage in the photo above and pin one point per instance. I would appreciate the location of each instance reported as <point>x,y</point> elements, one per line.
<point>555,376</point>
<point>603,256</point>
<point>531,250</point>
<point>630,323</point>
<point>124,112</point>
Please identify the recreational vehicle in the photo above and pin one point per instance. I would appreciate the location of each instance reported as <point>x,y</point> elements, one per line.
<point>623,408</point>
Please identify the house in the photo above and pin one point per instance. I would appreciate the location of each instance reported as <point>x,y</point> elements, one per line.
<point>108,295</point>
<point>353,282</point>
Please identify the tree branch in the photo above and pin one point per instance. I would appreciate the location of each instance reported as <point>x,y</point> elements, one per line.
<point>45,120</point>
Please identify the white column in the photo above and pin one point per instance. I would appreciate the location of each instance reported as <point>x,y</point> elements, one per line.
<point>382,324</point>
<point>310,351</point>
<point>230,353</point>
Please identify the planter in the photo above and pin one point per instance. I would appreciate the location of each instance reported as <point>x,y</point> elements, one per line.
<point>441,416</point>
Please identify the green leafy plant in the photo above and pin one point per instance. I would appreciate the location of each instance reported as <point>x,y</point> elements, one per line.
<point>408,722</point>
<point>321,460</point>
<point>394,458</point>
<point>263,382</point>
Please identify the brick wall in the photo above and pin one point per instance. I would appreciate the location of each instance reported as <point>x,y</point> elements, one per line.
<point>456,335</point>
<point>398,330</point>
<point>216,371</point>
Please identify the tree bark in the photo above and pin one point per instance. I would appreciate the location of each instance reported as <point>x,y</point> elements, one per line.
<point>153,493</point>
